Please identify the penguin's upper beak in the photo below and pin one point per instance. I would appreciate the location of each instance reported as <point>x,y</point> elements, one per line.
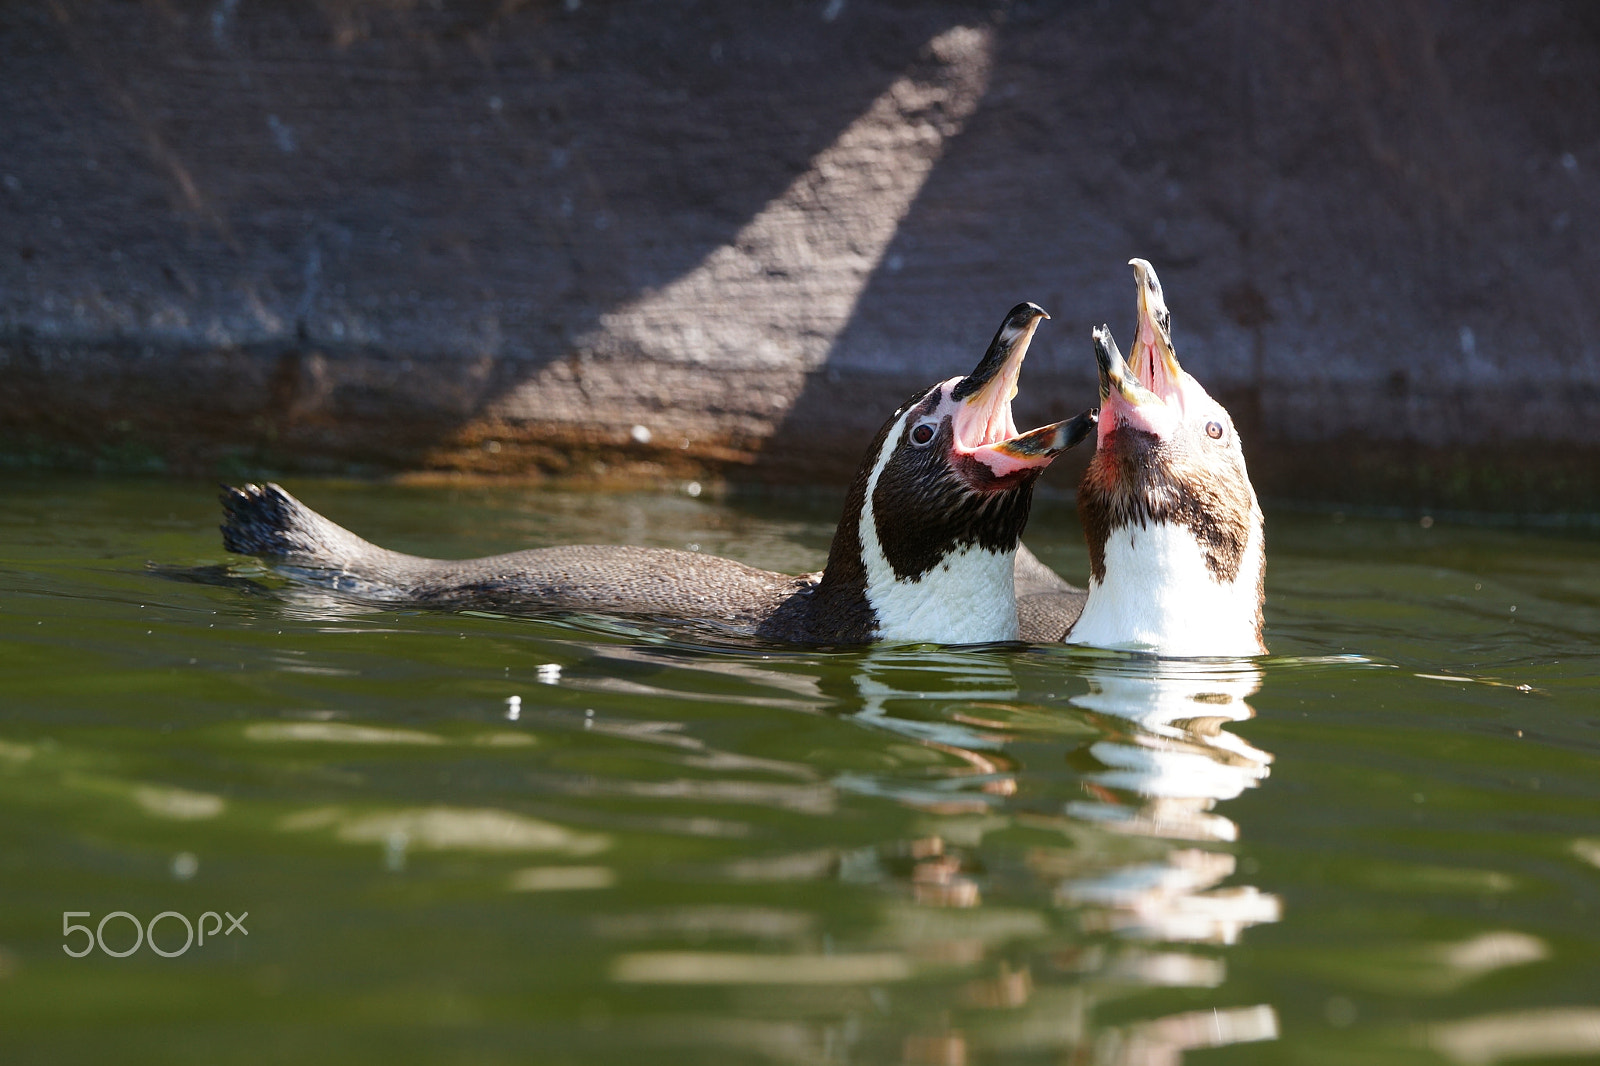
<point>984,430</point>
<point>1153,359</point>
<point>1147,390</point>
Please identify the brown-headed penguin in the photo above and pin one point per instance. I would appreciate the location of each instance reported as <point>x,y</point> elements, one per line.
<point>1176,546</point>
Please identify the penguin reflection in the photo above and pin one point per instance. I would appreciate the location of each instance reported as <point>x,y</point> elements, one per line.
<point>1161,763</point>
<point>1130,865</point>
<point>911,692</point>
<point>1163,778</point>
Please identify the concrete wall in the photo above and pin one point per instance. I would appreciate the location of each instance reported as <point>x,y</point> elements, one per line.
<point>496,237</point>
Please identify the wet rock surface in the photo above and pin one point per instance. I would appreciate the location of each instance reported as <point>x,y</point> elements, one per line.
<point>499,238</point>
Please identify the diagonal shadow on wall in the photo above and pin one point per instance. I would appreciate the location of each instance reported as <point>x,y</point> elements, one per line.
<point>364,228</point>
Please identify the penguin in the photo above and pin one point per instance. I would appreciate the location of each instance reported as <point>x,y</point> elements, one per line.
<point>1177,549</point>
<point>922,553</point>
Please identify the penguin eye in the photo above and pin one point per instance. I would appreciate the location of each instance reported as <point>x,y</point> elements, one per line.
<point>1214,430</point>
<point>922,433</point>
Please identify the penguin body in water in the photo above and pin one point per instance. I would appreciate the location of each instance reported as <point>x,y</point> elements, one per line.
<point>1175,533</point>
<point>923,553</point>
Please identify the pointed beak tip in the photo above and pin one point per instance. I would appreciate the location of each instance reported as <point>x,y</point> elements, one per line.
<point>1037,448</point>
<point>1104,345</point>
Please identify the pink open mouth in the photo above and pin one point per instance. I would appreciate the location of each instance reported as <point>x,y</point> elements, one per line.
<point>1152,358</point>
<point>985,432</point>
<point>1145,392</point>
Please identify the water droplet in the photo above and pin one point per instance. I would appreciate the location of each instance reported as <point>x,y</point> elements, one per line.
<point>1340,1012</point>
<point>394,851</point>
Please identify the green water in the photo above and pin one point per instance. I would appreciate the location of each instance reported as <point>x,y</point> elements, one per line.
<point>1379,845</point>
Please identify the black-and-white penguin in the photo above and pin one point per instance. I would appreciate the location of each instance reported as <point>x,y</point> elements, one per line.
<point>1176,545</point>
<point>923,553</point>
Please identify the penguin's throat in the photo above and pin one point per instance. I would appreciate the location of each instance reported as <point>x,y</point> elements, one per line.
<point>1137,478</point>
<point>1176,550</point>
<point>1156,589</point>
<point>985,419</point>
<point>1151,367</point>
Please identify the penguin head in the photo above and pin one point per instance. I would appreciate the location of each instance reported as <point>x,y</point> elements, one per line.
<point>1174,528</point>
<point>953,471</point>
<point>942,497</point>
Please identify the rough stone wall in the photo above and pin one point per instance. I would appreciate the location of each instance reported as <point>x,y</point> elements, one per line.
<point>497,237</point>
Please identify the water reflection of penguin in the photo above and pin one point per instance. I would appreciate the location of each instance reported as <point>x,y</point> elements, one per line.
<point>1180,752</point>
<point>1127,867</point>
<point>910,693</point>
<point>1162,778</point>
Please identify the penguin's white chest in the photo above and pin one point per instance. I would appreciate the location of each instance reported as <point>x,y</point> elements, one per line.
<point>1159,595</point>
<point>968,598</point>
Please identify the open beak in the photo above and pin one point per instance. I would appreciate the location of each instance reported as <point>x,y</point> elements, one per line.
<point>983,427</point>
<point>1153,359</point>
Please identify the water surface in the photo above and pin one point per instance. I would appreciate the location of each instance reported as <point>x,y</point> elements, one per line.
<point>473,838</point>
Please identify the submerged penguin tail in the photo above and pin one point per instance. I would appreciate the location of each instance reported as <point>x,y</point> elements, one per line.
<point>265,520</point>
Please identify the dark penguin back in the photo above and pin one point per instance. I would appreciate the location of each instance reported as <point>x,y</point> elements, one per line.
<point>836,609</point>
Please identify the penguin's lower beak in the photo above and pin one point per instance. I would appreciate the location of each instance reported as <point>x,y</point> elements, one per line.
<point>1037,447</point>
<point>1124,400</point>
<point>984,430</point>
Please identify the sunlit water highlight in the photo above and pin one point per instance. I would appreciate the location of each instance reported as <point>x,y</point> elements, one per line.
<point>469,837</point>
